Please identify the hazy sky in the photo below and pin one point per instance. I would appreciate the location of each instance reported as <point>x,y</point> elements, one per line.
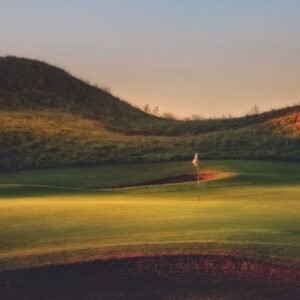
<point>206,57</point>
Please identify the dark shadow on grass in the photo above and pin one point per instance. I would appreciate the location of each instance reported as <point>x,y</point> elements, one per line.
<point>156,277</point>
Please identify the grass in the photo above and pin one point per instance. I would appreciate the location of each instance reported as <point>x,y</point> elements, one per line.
<point>27,84</point>
<point>52,119</point>
<point>35,139</point>
<point>254,212</point>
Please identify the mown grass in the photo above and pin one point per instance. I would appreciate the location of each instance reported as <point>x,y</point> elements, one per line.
<point>114,175</point>
<point>255,213</point>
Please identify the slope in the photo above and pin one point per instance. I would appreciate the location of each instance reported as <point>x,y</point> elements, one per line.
<point>51,119</point>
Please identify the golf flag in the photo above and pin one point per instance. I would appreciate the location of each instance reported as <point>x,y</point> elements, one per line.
<point>195,160</point>
<point>196,164</point>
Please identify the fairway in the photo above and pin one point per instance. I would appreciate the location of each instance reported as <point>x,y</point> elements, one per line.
<point>58,216</point>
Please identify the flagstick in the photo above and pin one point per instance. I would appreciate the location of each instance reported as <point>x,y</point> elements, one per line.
<point>198,180</point>
<point>195,162</point>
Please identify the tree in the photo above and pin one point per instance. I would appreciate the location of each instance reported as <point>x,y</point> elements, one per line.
<point>156,110</point>
<point>254,110</point>
<point>195,117</point>
<point>169,116</point>
<point>147,108</point>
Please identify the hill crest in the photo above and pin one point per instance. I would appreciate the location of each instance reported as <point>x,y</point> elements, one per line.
<point>27,84</point>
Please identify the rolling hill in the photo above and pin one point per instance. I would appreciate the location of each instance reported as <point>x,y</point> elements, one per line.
<point>51,119</point>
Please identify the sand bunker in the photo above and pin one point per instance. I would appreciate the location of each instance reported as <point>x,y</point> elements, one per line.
<point>172,179</point>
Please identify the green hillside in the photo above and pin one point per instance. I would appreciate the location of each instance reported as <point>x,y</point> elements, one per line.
<point>51,119</point>
<point>30,84</point>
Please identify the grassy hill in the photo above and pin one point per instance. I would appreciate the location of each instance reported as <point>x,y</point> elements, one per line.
<point>32,85</point>
<point>51,119</point>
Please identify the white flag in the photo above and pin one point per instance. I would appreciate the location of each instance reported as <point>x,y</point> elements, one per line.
<point>195,160</point>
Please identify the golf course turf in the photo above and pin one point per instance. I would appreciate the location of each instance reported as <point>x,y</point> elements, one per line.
<point>63,218</point>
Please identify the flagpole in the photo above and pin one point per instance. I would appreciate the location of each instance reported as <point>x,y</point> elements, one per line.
<point>198,180</point>
<point>195,162</point>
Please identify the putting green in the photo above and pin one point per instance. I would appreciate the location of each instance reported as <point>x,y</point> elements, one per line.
<point>49,216</point>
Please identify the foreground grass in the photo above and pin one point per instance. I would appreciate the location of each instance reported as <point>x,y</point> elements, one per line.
<point>254,212</point>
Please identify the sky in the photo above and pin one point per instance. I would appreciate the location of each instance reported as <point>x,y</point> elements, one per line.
<point>205,57</point>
